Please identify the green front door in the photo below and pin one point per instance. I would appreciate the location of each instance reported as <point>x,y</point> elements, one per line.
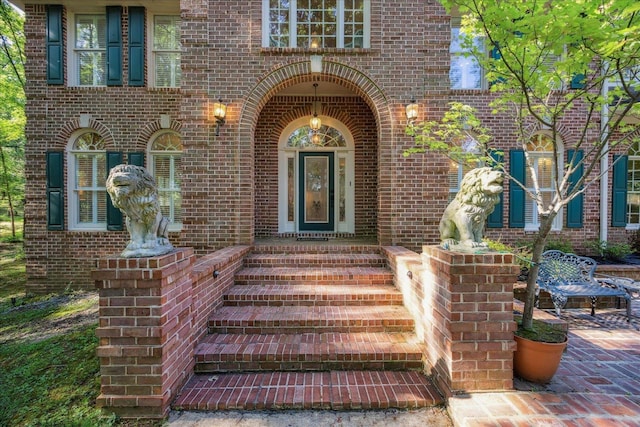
<point>317,196</point>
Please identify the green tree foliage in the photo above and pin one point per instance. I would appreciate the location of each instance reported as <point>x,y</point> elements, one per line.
<point>12,104</point>
<point>546,61</point>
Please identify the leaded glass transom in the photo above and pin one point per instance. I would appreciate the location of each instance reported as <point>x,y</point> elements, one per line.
<point>326,136</point>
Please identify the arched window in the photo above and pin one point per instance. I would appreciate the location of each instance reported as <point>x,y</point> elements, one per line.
<point>540,149</point>
<point>88,174</point>
<point>165,153</point>
<point>326,136</point>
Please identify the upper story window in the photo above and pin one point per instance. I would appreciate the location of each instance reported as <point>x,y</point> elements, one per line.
<point>90,49</point>
<point>465,72</point>
<point>88,175</point>
<point>540,149</point>
<point>166,51</point>
<point>312,24</point>
<point>165,156</point>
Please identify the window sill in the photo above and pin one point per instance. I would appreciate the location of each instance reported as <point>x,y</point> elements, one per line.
<point>76,229</point>
<point>632,227</point>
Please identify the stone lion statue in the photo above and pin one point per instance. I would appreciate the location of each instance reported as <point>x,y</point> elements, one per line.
<point>463,221</point>
<point>134,192</point>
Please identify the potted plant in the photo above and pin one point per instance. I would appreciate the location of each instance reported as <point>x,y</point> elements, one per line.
<point>545,60</point>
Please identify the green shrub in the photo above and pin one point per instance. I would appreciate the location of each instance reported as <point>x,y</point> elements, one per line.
<point>609,250</point>
<point>559,245</point>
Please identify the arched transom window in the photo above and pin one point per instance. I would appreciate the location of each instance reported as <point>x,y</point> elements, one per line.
<point>326,136</point>
<point>540,149</point>
<point>88,198</point>
<point>165,155</point>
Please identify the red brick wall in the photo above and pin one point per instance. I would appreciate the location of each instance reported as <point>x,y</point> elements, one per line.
<point>463,307</point>
<point>153,311</point>
<point>228,197</point>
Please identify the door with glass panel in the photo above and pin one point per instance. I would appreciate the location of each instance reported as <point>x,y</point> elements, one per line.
<point>316,191</point>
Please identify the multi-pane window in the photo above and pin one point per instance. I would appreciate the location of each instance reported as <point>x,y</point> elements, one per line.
<point>465,72</point>
<point>90,49</point>
<point>540,149</point>
<point>316,23</point>
<point>88,198</point>
<point>633,185</point>
<point>166,50</point>
<point>165,157</point>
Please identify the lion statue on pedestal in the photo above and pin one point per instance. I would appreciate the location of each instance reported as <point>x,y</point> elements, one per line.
<point>463,221</point>
<point>134,192</point>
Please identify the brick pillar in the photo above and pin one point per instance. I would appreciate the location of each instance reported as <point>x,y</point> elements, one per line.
<point>146,341</point>
<point>473,302</point>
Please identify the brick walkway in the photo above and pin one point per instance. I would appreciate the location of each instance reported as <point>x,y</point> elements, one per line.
<point>597,384</point>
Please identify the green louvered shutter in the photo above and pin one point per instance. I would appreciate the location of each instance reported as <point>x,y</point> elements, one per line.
<point>136,159</point>
<point>575,206</point>
<point>619,196</point>
<point>55,51</point>
<point>495,220</point>
<point>114,45</point>
<point>55,190</point>
<point>517,196</point>
<point>114,216</point>
<point>136,46</point>
<point>577,82</point>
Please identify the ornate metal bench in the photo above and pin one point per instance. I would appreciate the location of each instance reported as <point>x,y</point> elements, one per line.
<point>565,275</point>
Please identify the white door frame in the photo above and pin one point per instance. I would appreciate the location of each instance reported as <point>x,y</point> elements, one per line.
<point>343,155</point>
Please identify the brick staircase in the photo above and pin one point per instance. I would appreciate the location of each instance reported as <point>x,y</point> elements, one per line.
<point>310,327</point>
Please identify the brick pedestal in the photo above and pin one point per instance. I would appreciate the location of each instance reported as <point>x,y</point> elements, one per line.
<point>470,306</point>
<point>145,332</point>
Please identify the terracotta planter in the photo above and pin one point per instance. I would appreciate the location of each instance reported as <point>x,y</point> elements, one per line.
<point>537,361</point>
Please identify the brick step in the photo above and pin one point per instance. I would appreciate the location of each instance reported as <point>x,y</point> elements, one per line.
<point>308,352</point>
<point>303,276</point>
<point>320,319</point>
<point>314,248</point>
<point>337,390</point>
<point>326,260</point>
<point>312,295</point>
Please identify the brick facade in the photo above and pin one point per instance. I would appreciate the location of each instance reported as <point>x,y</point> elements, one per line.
<point>229,182</point>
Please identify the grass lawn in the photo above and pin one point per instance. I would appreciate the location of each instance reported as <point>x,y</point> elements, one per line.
<point>49,372</point>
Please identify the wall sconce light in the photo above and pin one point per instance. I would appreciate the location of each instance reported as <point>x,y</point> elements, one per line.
<point>411,110</point>
<point>219,113</point>
<point>315,123</point>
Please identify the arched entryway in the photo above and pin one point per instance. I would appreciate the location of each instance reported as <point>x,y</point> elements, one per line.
<point>366,114</point>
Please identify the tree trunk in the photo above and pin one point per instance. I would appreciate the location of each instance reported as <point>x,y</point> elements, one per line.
<point>536,256</point>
